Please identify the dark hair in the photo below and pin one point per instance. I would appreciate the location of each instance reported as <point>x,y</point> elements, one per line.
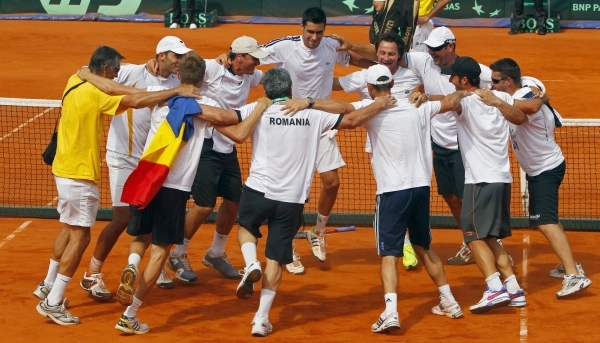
<point>383,87</point>
<point>473,82</point>
<point>315,15</point>
<point>105,55</point>
<point>392,38</point>
<point>191,69</point>
<point>277,83</point>
<point>233,54</point>
<point>508,68</point>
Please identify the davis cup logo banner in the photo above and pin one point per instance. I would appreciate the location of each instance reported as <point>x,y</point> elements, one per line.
<point>71,7</point>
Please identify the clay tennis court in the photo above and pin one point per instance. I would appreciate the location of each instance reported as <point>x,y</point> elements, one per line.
<point>336,301</point>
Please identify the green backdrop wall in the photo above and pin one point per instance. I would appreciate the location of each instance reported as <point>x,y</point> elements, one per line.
<point>457,9</point>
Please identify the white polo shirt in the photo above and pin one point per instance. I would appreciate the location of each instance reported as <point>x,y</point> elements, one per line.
<point>128,131</point>
<point>182,172</point>
<point>229,91</point>
<point>284,152</point>
<point>483,137</point>
<point>405,83</point>
<point>443,125</point>
<point>400,139</point>
<point>311,69</point>
<point>533,142</point>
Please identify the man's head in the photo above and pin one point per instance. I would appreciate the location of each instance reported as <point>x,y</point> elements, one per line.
<point>169,52</point>
<point>442,46</point>
<point>191,70</point>
<point>244,55</point>
<point>277,83</point>
<point>106,62</point>
<point>390,48</point>
<point>379,80</point>
<point>464,73</point>
<point>506,75</point>
<point>313,25</point>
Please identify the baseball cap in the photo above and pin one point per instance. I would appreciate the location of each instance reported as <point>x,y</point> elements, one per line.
<point>379,75</point>
<point>248,45</point>
<point>172,43</point>
<point>440,36</point>
<point>464,66</point>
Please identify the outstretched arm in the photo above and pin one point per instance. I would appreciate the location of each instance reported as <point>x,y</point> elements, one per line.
<point>240,132</point>
<point>365,50</point>
<point>511,113</point>
<point>292,106</point>
<point>532,106</point>
<point>107,86</point>
<point>145,99</point>
<point>358,117</point>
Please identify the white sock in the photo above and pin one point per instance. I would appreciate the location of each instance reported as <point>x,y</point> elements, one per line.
<point>406,239</point>
<point>52,271</point>
<point>217,249</point>
<point>446,295</point>
<point>493,281</point>
<point>512,285</point>
<point>134,259</point>
<point>181,249</point>
<point>499,242</point>
<point>58,290</point>
<point>95,266</point>
<point>321,223</point>
<point>266,301</point>
<point>391,303</point>
<point>132,309</point>
<point>249,252</point>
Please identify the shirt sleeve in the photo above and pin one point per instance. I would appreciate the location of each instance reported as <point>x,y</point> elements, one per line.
<point>505,97</point>
<point>419,63</point>
<point>352,82</point>
<point>129,74</point>
<point>246,110</point>
<point>108,104</point>
<point>213,70</point>
<point>277,50</point>
<point>342,57</point>
<point>256,78</point>
<point>430,108</point>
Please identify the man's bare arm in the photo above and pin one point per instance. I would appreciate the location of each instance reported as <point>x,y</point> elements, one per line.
<point>107,86</point>
<point>219,116</point>
<point>357,118</point>
<point>511,113</point>
<point>365,50</point>
<point>240,132</point>
<point>145,99</point>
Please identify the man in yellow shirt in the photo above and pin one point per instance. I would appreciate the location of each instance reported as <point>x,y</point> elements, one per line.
<point>76,170</point>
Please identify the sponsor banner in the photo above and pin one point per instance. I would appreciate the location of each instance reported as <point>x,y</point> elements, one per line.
<point>529,24</point>
<point>459,9</point>
<point>585,10</point>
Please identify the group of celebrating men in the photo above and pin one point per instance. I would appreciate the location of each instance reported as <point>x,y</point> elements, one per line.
<point>403,127</point>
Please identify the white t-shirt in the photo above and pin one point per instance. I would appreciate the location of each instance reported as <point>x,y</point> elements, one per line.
<point>311,69</point>
<point>182,172</point>
<point>483,137</point>
<point>405,83</point>
<point>443,125</point>
<point>284,152</point>
<point>134,121</point>
<point>533,142</point>
<point>400,139</point>
<point>229,91</point>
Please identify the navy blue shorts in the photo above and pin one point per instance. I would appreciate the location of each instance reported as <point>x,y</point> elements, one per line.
<point>397,212</point>
<point>449,171</point>
<point>543,195</point>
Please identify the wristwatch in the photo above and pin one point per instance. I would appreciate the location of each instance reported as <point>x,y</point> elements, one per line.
<point>311,102</point>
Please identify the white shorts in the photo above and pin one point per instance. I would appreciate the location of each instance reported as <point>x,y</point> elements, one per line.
<point>329,157</point>
<point>78,201</point>
<point>120,167</point>
<point>421,34</point>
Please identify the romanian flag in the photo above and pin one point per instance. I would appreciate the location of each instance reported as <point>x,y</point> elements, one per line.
<point>153,168</point>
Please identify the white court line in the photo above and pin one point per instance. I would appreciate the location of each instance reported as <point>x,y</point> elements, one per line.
<point>523,324</point>
<point>12,235</point>
<point>26,123</point>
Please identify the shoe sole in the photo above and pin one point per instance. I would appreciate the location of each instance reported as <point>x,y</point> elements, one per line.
<point>125,290</point>
<point>233,276</point>
<point>485,309</point>
<point>129,331</point>
<point>577,291</point>
<point>454,315</point>
<point>297,273</point>
<point>170,285</point>
<point>99,297</point>
<point>453,262</point>
<point>43,314</point>
<point>246,289</point>
<point>387,329</point>
<point>317,258</point>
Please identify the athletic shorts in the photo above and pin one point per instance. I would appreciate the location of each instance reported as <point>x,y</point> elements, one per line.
<point>120,166</point>
<point>328,156</point>
<point>485,211</point>
<point>398,211</point>
<point>449,170</point>
<point>543,195</point>
<point>283,221</point>
<point>218,175</point>
<point>164,217</point>
<point>78,201</point>
<point>421,34</point>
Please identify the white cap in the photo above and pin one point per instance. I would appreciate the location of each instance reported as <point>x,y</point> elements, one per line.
<point>172,43</point>
<point>379,75</point>
<point>440,36</point>
<point>248,45</point>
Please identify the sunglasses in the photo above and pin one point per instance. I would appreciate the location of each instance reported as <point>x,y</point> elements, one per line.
<point>438,48</point>
<point>496,81</point>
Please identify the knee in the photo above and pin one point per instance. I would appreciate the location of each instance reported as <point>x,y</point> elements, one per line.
<point>331,183</point>
<point>451,199</point>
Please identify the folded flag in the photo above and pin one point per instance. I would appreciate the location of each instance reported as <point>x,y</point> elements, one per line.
<point>158,157</point>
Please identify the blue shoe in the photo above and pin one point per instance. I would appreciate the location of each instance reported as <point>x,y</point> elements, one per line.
<point>491,300</point>
<point>517,299</point>
<point>182,268</point>
<point>222,265</point>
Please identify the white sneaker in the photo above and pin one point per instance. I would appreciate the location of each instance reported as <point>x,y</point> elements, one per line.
<point>573,284</point>
<point>386,323</point>
<point>252,275</point>
<point>560,272</point>
<point>452,311</point>
<point>462,257</point>
<point>261,327</point>
<point>131,325</point>
<point>296,267</point>
<point>491,300</point>
<point>193,26</point>
<point>318,244</point>
<point>97,289</point>
<point>164,280</point>
<point>175,26</point>
<point>41,291</point>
